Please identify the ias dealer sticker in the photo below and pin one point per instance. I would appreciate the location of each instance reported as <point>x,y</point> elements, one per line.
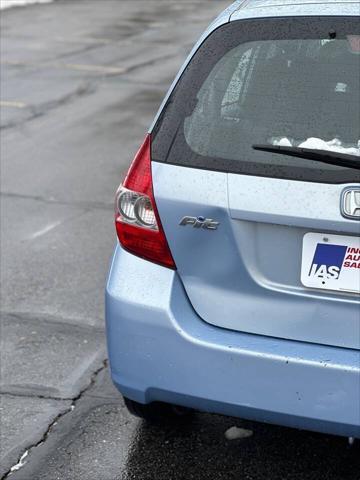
<point>331,262</point>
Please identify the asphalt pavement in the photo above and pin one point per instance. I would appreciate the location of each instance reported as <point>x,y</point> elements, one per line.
<point>80,83</point>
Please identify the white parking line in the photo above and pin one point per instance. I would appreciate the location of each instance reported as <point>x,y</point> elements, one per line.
<point>12,104</point>
<point>44,230</point>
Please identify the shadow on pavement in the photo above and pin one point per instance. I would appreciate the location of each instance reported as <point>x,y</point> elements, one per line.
<point>199,450</point>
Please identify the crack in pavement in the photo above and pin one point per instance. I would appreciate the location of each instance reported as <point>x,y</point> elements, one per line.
<point>9,393</point>
<point>46,434</point>
<point>81,204</point>
<point>42,109</point>
<point>96,44</point>
<point>54,320</point>
<point>104,70</point>
<point>148,63</point>
<point>32,395</point>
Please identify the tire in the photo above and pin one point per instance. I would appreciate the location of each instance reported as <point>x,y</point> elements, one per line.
<point>157,412</point>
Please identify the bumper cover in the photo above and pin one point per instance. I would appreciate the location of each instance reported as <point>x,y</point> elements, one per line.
<point>160,350</point>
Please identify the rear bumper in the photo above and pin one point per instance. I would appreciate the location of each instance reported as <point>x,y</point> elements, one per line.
<point>160,350</point>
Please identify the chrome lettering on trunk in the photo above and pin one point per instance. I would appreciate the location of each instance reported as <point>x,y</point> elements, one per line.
<point>200,222</point>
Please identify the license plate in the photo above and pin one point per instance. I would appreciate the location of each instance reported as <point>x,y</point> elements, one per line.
<point>331,262</point>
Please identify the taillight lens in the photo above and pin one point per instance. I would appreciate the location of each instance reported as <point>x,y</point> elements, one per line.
<point>137,220</point>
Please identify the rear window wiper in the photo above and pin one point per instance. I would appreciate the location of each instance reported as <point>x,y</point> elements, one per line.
<point>325,156</point>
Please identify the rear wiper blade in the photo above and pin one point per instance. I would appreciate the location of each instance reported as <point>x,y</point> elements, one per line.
<point>325,156</point>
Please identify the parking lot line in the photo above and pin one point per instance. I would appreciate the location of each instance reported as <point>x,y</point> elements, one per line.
<point>12,104</point>
<point>68,66</point>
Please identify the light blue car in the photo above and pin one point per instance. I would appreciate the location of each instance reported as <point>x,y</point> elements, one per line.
<point>235,284</point>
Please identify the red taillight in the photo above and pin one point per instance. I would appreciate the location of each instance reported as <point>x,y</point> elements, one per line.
<point>137,220</point>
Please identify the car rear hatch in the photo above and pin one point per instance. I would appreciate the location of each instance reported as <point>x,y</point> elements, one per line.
<point>264,242</point>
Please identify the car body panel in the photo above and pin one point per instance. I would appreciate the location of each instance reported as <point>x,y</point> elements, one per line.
<point>160,350</point>
<point>245,275</point>
<point>293,8</point>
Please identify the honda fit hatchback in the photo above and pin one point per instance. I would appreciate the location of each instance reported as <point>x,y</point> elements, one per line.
<point>234,287</point>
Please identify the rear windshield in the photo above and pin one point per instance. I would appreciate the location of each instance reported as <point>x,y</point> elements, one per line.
<point>279,82</point>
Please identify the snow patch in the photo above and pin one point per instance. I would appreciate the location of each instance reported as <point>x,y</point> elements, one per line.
<point>334,145</point>
<point>233,433</point>
<point>282,142</point>
<point>20,463</point>
<point>19,3</point>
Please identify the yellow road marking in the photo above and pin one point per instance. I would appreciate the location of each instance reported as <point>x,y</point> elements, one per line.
<point>85,40</point>
<point>12,104</point>
<point>91,68</point>
<point>69,66</point>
